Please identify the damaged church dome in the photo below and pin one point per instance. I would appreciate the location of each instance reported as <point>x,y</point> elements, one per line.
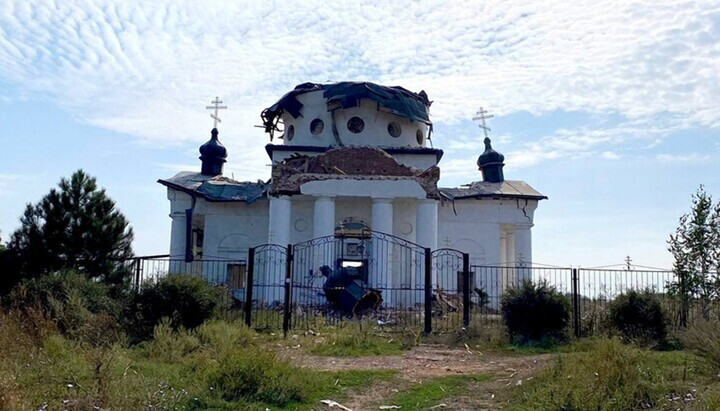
<point>350,114</point>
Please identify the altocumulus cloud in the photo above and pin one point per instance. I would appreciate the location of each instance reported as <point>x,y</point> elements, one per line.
<point>146,68</point>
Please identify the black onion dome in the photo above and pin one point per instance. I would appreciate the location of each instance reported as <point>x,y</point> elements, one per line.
<point>213,148</point>
<point>491,164</point>
<point>213,155</point>
<point>490,156</point>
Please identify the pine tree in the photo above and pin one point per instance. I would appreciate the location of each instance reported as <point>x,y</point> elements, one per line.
<point>75,226</point>
<point>696,249</point>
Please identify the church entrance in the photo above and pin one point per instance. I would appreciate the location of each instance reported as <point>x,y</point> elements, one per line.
<point>355,273</point>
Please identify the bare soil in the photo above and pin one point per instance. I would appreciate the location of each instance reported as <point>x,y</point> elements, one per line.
<point>433,361</point>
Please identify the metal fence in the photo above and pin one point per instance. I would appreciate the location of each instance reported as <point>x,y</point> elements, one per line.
<point>400,286</point>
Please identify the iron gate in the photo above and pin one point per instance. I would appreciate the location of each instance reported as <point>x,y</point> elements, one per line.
<point>452,283</point>
<point>355,275</point>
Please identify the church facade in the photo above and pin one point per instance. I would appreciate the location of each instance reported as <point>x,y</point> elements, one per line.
<point>350,155</point>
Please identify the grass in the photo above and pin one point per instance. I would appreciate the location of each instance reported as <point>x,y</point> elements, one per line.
<point>610,375</point>
<point>353,341</point>
<point>220,365</point>
<point>430,393</point>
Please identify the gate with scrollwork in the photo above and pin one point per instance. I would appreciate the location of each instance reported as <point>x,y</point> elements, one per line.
<point>453,285</point>
<point>365,274</point>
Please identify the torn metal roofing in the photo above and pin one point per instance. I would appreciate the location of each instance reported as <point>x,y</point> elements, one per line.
<point>395,100</point>
<point>483,189</point>
<point>217,188</point>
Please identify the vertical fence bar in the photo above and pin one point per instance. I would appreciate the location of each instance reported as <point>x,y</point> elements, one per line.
<point>249,286</point>
<point>575,284</point>
<point>288,280</point>
<point>138,261</point>
<point>466,289</point>
<point>428,291</point>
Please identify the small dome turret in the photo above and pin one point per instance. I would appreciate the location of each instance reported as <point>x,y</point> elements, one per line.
<point>213,155</point>
<point>491,164</point>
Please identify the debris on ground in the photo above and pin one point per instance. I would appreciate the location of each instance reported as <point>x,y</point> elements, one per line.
<point>331,404</point>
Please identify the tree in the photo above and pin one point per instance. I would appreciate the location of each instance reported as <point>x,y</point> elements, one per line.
<point>696,249</point>
<point>73,227</point>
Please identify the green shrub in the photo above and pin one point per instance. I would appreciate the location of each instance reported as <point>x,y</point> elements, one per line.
<point>638,317</point>
<point>186,300</point>
<point>703,338</point>
<point>535,313</point>
<point>170,345</point>
<point>59,286</point>
<point>223,336</point>
<point>257,375</point>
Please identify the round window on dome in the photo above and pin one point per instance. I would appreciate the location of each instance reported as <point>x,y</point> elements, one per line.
<point>419,137</point>
<point>356,125</point>
<point>290,132</point>
<point>317,126</point>
<point>394,129</point>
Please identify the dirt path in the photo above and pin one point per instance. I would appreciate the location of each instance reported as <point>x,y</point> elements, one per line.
<point>431,361</point>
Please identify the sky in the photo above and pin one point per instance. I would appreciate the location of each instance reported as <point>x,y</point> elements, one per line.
<point>610,108</point>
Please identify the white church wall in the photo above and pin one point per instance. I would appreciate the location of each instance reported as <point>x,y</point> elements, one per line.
<point>375,131</point>
<point>232,228</point>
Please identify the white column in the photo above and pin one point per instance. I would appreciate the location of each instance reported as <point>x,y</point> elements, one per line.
<point>323,226</point>
<point>382,215</point>
<point>489,278</point>
<point>427,231</point>
<point>510,248</point>
<point>510,273</point>
<point>523,250</point>
<point>427,223</point>
<point>324,217</point>
<point>177,235</point>
<point>503,248</point>
<point>279,214</point>
<point>279,225</point>
<point>381,269</point>
<point>523,243</point>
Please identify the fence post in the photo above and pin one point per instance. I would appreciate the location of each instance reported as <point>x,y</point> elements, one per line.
<point>288,281</point>
<point>466,289</point>
<point>576,301</point>
<point>137,272</point>
<point>249,286</point>
<point>428,291</point>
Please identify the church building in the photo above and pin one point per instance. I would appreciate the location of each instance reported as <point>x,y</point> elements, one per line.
<point>350,154</point>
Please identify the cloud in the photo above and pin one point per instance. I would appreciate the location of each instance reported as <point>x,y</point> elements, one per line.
<point>149,68</point>
<point>683,158</point>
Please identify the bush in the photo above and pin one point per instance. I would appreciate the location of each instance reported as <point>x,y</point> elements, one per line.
<point>638,317</point>
<point>186,300</point>
<point>257,375</point>
<point>703,338</point>
<point>535,313</point>
<point>44,292</point>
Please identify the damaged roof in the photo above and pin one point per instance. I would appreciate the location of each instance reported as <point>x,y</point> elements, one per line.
<point>396,100</point>
<point>483,189</point>
<point>216,188</point>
